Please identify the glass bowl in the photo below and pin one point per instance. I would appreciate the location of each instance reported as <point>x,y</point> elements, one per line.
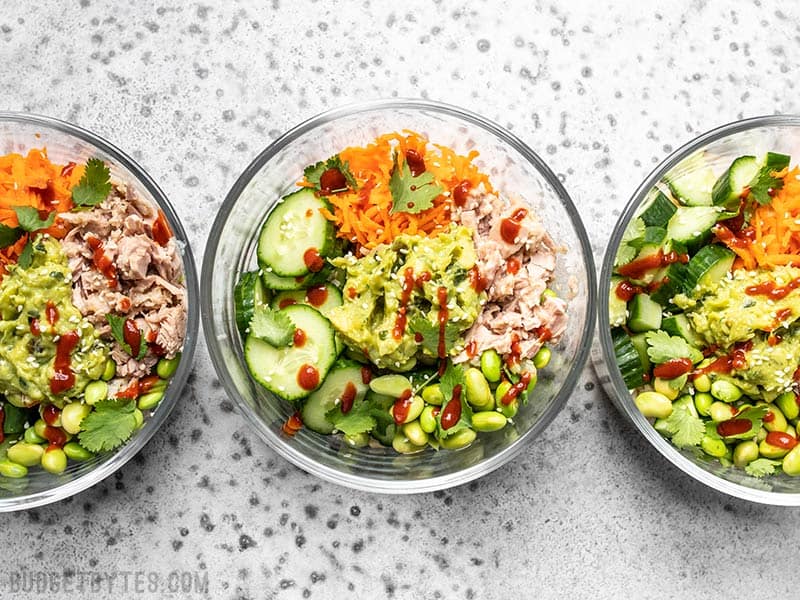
<point>511,166</point>
<point>20,132</point>
<point>754,136</point>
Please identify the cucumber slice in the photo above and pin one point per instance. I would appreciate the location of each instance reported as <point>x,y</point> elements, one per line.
<point>653,236</point>
<point>673,281</point>
<point>278,283</point>
<point>628,361</point>
<point>729,187</point>
<point>248,293</point>
<point>323,297</point>
<point>329,394</point>
<point>617,307</point>
<point>639,342</point>
<point>679,325</point>
<point>692,181</point>
<point>708,266</point>
<point>692,225</point>
<point>294,227</point>
<point>277,369</point>
<point>659,212</point>
<point>644,314</point>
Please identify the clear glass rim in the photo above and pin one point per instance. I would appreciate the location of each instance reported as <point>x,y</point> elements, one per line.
<point>405,486</point>
<point>623,400</point>
<point>130,449</point>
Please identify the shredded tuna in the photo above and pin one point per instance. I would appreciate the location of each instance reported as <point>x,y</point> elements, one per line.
<point>517,319</point>
<point>147,283</point>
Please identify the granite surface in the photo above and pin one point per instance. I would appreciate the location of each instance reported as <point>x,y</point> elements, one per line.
<point>603,91</point>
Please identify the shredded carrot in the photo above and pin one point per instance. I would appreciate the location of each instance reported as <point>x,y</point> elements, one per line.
<point>365,216</point>
<point>36,182</point>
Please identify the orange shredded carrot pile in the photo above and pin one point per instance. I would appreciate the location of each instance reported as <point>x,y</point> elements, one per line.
<point>33,181</point>
<point>364,216</point>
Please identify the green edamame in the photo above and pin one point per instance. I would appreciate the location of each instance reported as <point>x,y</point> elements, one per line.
<point>166,367</point>
<point>745,453</point>
<point>489,420</point>
<point>500,392</point>
<point>414,410</point>
<point>12,470</point>
<point>109,370</point>
<point>73,414</point>
<point>509,411</point>
<point>427,419</point>
<point>777,422</point>
<point>787,402</point>
<point>653,404</point>
<point>54,461</point>
<point>477,389</point>
<point>390,385</point>
<point>713,447</point>
<point>39,427</point>
<point>769,451</point>
<point>31,436</point>
<point>432,394</point>
<point>150,400</point>
<point>725,391</point>
<point>356,440</point>
<point>414,433</point>
<point>403,445</point>
<point>548,293</point>
<point>702,402</point>
<point>542,358</point>
<point>95,392</point>
<point>27,455</point>
<point>702,383</point>
<point>137,414</point>
<point>75,451</point>
<point>791,462</point>
<point>491,365</point>
<point>664,387</point>
<point>460,439</point>
<point>720,411</point>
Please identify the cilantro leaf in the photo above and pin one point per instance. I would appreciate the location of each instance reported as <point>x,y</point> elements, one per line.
<point>29,220</point>
<point>754,414</point>
<point>359,419</point>
<point>411,194</point>
<point>272,326</point>
<point>109,425</point>
<point>313,173</point>
<point>430,334</point>
<point>26,256</point>
<point>95,184</point>
<point>761,467</point>
<point>9,235</point>
<point>662,346</point>
<point>764,181</point>
<point>626,253</point>
<point>118,331</point>
<point>686,429</point>
<point>453,376</point>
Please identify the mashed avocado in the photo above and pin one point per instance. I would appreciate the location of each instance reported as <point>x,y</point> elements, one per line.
<point>726,314</point>
<point>370,319</point>
<point>26,360</point>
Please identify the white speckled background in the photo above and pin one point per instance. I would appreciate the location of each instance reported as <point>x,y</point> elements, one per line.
<point>603,91</point>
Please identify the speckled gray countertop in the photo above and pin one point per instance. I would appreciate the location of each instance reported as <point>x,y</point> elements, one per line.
<point>603,91</point>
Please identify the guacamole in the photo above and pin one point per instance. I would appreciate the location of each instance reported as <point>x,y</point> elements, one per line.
<point>36,307</point>
<point>392,298</point>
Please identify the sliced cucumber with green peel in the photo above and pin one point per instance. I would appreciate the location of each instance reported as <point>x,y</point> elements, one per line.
<point>617,307</point>
<point>628,361</point>
<point>248,293</point>
<point>692,181</point>
<point>278,283</point>
<point>691,225</point>
<point>673,281</point>
<point>329,395</point>
<point>659,212</point>
<point>679,325</point>
<point>653,236</point>
<point>323,297</point>
<point>708,266</point>
<point>729,188</point>
<point>639,342</point>
<point>294,227</point>
<point>645,314</point>
<point>279,369</point>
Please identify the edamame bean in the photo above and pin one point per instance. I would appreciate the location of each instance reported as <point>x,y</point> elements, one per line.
<point>477,389</point>
<point>391,385</point>
<point>427,419</point>
<point>39,427</point>
<point>787,402</point>
<point>73,414</point>
<point>12,469</point>
<point>713,446</point>
<point>548,293</point>
<point>403,445</point>
<point>790,429</point>
<point>150,400</point>
<point>54,461</point>
<point>702,402</point>
<point>776,422</point>
<point>166,367</point>
<point>31,437</point>
<point>460,439</point>
<point>500,392</point>
<point>762,435</point>
<point>488,420</point>
<point>95,392</point>
<point>109,371</point>
<point>139,417</point>
<point>663,387</point>
<point>414,410</point>
<point>491,365</point>
<point>432,394</point>
<point>662,426</point>
<point>542,358</point>
<point>75,451</point>
<point>653,404</point>
<point>769,451</point>
<point>725,391</point>
<point>720,411</point>
<point>509,411</point>
<point>702,383</point>
<point>27,455</point>
<point>415,434</point>
<point>356,440</point>
<point>791,462</point>
<point>745,453</point>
